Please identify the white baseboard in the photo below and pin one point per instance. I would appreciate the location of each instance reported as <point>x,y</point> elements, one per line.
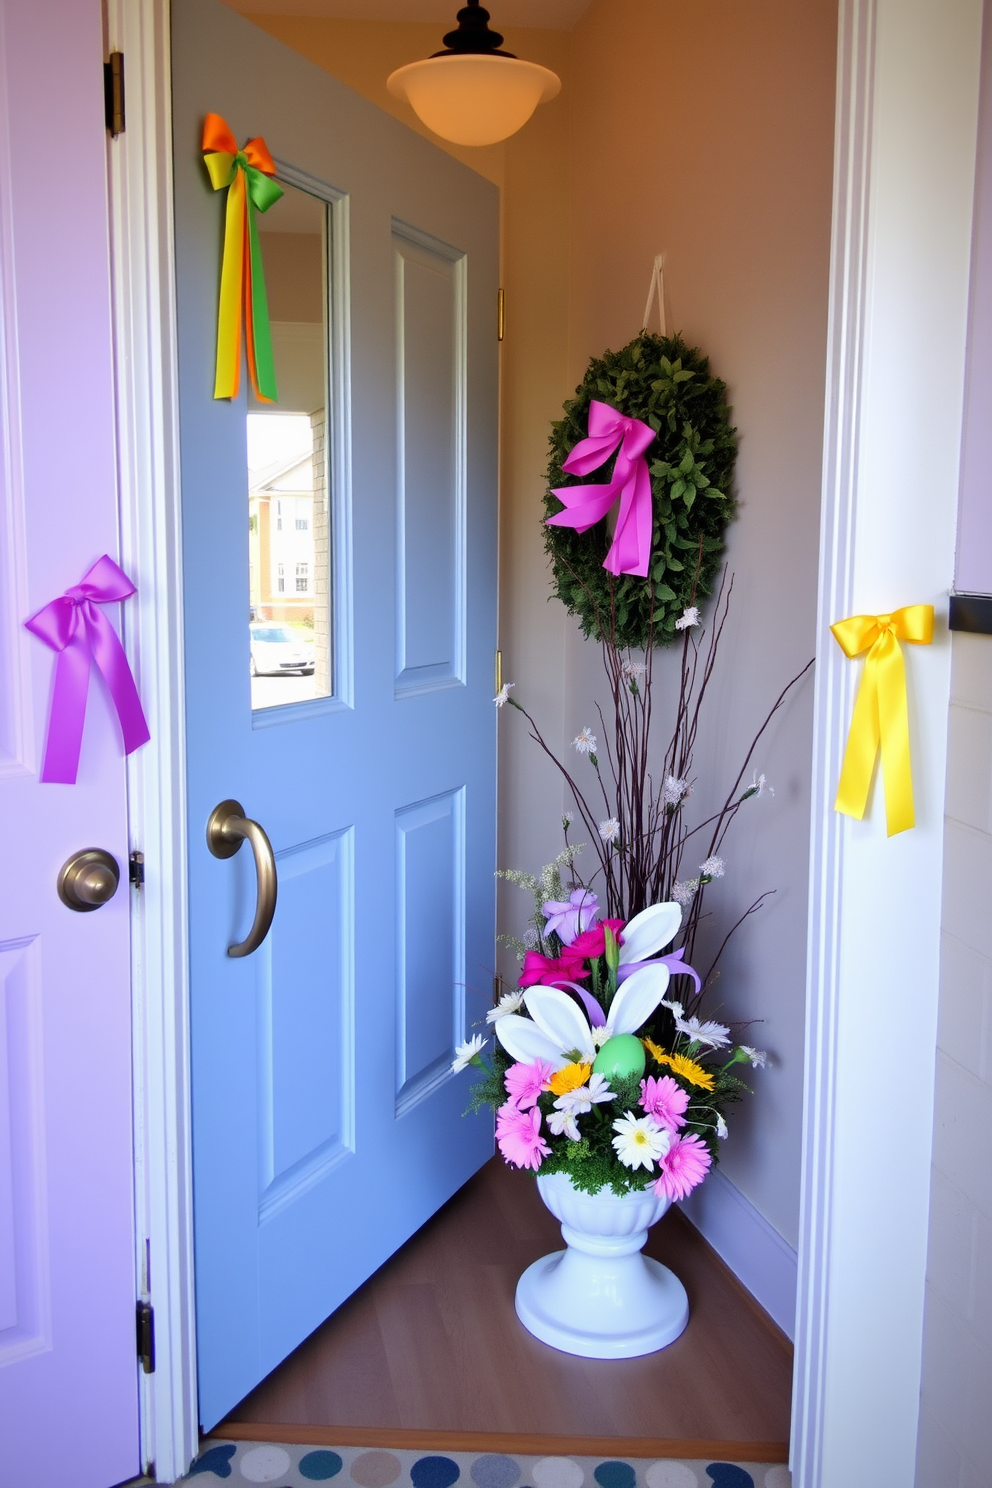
<point>752,1248</point>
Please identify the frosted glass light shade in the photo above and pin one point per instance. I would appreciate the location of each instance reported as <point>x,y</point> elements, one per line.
<point>474,99</point>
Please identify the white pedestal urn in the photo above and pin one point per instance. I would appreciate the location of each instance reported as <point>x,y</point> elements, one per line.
<point>601,1298</point>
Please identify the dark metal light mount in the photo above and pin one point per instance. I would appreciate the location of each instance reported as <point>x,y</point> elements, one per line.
<point>473,37</point>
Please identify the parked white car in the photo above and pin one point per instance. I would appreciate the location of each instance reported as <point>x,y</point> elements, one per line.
<point>279,648</point>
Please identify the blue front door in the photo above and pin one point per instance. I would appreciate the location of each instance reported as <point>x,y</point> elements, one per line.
<point>340,590</point>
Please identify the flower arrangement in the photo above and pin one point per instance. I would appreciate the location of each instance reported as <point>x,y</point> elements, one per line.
<point>596,1070</point>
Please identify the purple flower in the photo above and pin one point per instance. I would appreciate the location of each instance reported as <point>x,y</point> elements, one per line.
<point>569,919</point>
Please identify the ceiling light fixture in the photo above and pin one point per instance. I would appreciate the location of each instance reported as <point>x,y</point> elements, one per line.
<point>474,93</point>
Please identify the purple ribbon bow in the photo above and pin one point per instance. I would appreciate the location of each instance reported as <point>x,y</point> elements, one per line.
<point>630,551</point>
<point>80,634</point>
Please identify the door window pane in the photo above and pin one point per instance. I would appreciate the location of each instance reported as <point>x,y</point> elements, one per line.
<point>288,499</point>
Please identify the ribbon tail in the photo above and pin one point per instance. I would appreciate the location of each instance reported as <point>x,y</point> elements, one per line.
<point>108,653</point>
<point>678,967</point>
<point>893,717</point>
<point>261,364</point>
<point>862,747</point>
<point>228,372</point>
<point>630,552</point>
<point>68,714</point>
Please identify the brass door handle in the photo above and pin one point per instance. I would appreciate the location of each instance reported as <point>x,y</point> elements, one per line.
<point>227,828</point>
<point>88,879</point>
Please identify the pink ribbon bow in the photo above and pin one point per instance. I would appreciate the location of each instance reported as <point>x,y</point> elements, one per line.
<point>630,552</point>
<point>80,633</point>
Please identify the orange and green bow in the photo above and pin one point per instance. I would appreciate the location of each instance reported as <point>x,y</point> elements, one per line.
<point>880,721</point>
<point>246,173</point>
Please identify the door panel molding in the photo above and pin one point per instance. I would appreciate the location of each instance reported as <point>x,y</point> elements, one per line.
<point>431,473</point>
<point>296,1044</point>
<point>25,1274</point>
<point>430,906</point>
<point>143,288</point>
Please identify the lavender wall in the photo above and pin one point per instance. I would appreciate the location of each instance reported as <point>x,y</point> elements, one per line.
<point>973,570</point>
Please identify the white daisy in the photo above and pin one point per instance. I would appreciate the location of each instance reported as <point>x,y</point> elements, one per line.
<point>721,1128</point>
<point>713,868</point>
<point>713,1035</point>
<point>674,1007</point>
<point>510,1002</point>
<point>563,1123</point>
<point>503,696</point>
<point>674,790</point>
<point>585,741</point>
<point>640,1141</point>
<point>688,619</point>
<point>609,830</point>
<point>600,1034</point>
<point>759,786</point>
<point>467,1052</point>
<point>758,1057</point>
<point>585,1097</point>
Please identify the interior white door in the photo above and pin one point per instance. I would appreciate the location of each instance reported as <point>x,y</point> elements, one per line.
<point>68,1370</point>
<point>340,585</point>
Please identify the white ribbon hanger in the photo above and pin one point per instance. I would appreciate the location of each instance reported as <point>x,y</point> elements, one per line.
<point>657,286</point>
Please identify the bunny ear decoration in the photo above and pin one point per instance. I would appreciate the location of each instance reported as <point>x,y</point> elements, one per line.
<point>557,1015</point>
<point>524,1041</point>
<point>637,999</point>
<point>650,931</point>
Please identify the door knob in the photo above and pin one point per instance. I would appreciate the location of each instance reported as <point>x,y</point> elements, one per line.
<point>227,828</point>
<point>88,879</point>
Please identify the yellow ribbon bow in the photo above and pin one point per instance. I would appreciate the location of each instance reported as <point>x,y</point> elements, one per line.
<point>881,714</point>
<point>247,175</point>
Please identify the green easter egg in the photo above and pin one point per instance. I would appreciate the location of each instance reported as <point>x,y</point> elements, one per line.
<point>623,1054</point>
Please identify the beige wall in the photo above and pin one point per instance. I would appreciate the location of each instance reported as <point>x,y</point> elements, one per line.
<point>955,1440</point>
<point>704,130</point>
<point>711,139</point>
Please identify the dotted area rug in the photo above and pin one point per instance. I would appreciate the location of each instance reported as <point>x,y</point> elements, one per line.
<point>301,1467</point>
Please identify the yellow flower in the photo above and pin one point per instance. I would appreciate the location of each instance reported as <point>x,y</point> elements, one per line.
<point>569,1078</point>
<point>688,1069</point>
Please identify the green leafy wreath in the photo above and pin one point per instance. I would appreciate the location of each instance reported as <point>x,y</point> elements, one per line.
<point>665,383</point>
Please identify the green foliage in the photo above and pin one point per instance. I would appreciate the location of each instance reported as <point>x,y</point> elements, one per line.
<point>548,886</point>
<point>627,1092</point>
<point>490,1091</point>
<point>593,1167</point>
<point>666,384</point>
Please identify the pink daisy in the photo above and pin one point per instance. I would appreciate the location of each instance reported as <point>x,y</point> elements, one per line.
<point>685,1164</point>
<point>665,1100</point>
<point>518,1134</point>
<point>524,1082</point>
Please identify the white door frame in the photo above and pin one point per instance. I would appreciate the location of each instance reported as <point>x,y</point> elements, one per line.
<point>906,132</point>
<point>143,282</point>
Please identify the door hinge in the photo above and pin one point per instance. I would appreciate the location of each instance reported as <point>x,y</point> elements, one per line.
<point>500,313</point>
<point>146,1336</point>
<point>136,868</point>
<point>498,672</point>
<point>113,93</point>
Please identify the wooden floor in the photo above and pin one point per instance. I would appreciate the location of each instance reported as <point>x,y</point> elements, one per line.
<point>429,1353</point>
